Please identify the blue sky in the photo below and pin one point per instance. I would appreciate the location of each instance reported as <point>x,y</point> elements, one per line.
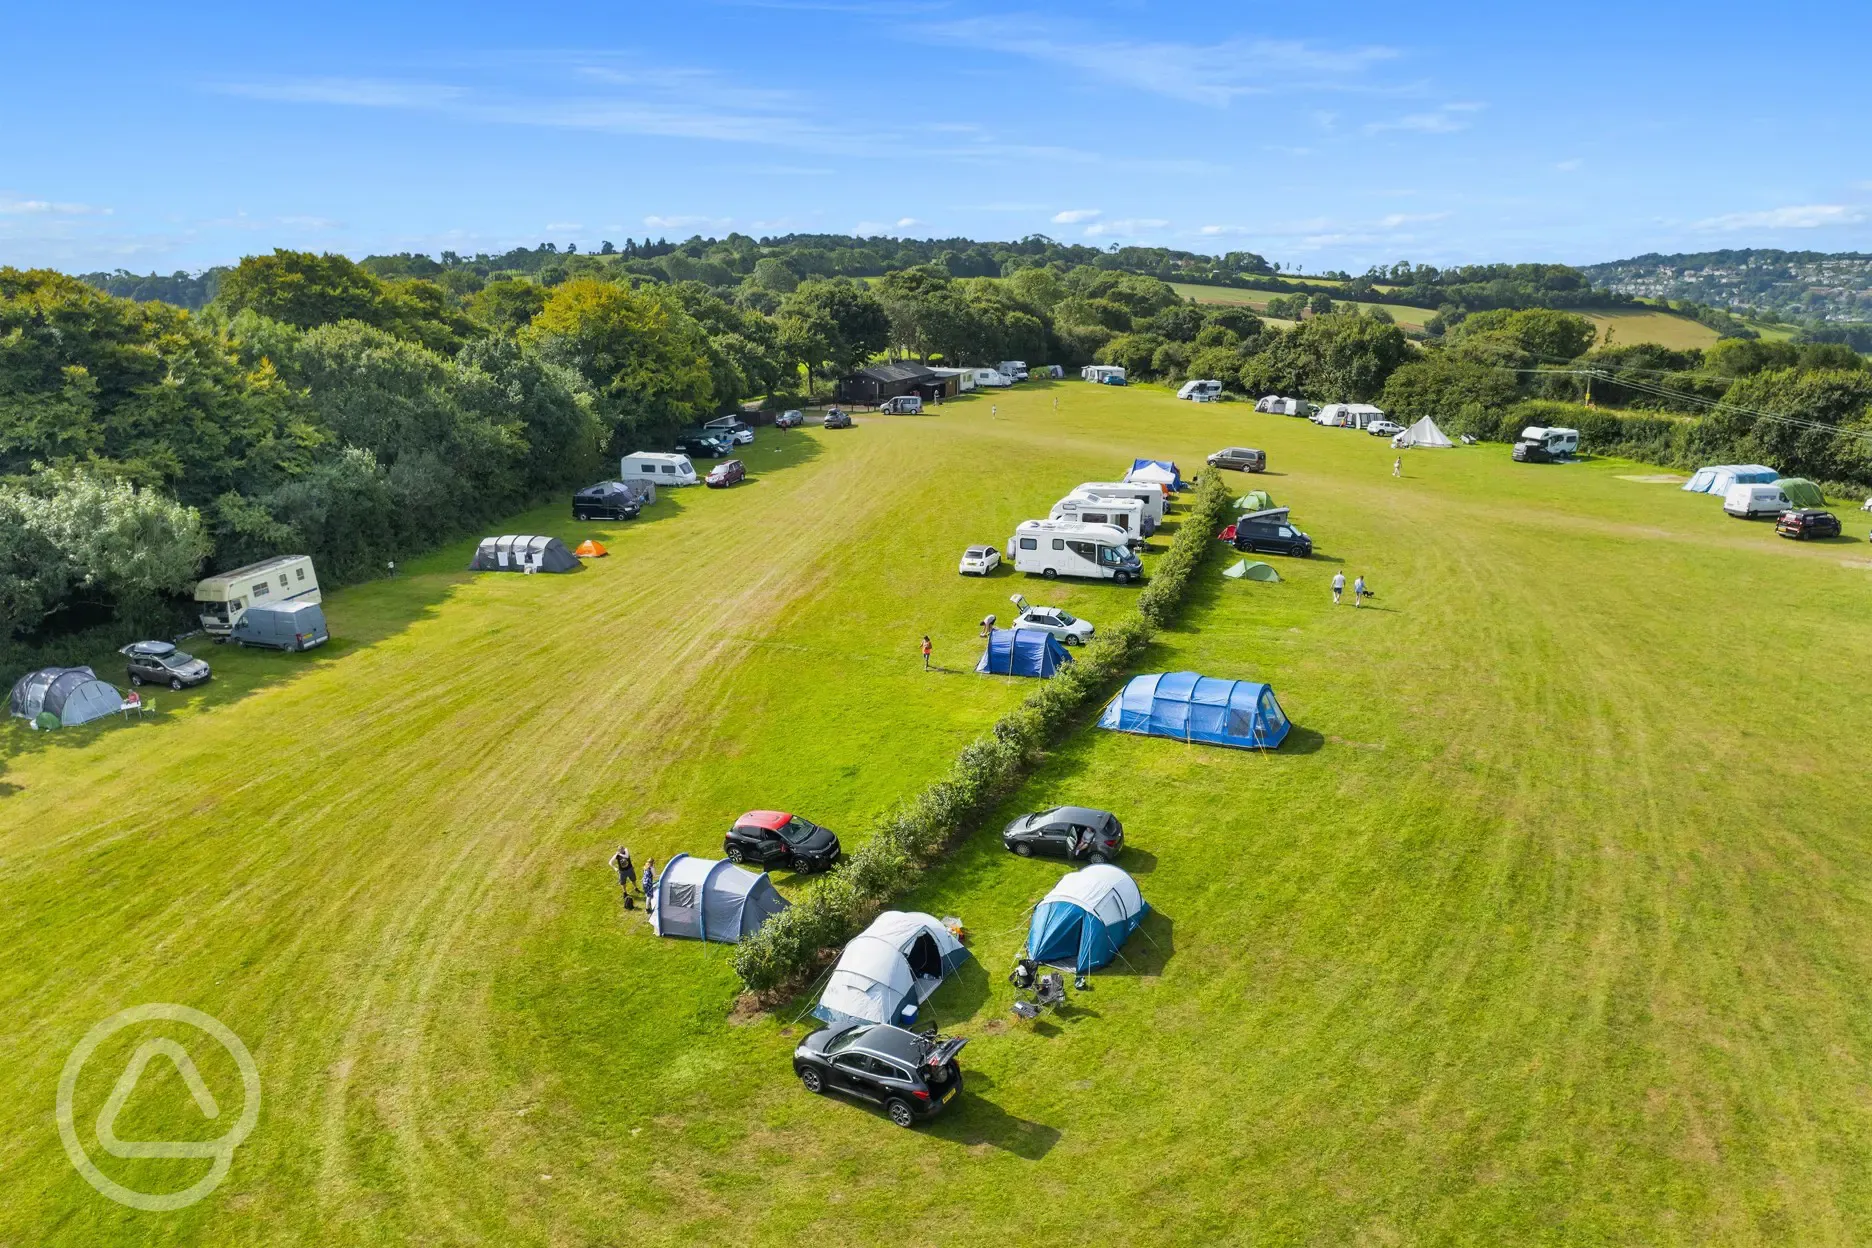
<point>1323,136</point>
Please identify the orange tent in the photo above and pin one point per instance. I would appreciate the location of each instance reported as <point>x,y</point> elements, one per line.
<point>588,549</point>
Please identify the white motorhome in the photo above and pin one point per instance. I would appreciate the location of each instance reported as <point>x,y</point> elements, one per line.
<point>1538,445</point>
<point>1016,369</point>
<point>1201,391</point>
<point>224,599</point>
<point>992,378</point>
<point>1347,415</point>
<point>663,468</point>
<point>1151,496</point>
<point>1103,374</point>
<point>1067,548</point>
<point>1124,513</point>
<point>1752,502</point>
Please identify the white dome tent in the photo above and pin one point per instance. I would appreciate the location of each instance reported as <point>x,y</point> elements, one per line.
<point>889,970</point>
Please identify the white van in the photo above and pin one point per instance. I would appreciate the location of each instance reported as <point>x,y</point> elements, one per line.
<point>903,405</point>
<point>661,467</point>
<point>1150,495</point>
<point>1200,391</point>
<point>1067,548</point>
<point>226,598</point>
<point>1124,513</point>
<point>1752,502</point>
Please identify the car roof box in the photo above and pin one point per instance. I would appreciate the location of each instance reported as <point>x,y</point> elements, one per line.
<point>1268,515</point>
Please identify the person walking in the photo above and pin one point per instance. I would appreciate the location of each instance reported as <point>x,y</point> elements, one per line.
<point>926,652</point>
<point>1397,466</point>
<point>1359,592</point>
<point>1338,587</point>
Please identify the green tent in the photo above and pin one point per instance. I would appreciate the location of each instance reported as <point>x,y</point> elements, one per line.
<point>1255,500</point>
<point>1255,571</point>
<point>1801,492</point>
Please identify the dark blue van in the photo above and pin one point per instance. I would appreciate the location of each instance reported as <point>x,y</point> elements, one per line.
<point>282,626</point>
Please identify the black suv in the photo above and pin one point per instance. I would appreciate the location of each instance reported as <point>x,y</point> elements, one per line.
<point>773,837</point>
<point>159,663</point>
<point>1268,532</point>
<point>696,442</point>
<point>911,1075</point>
<point>608,500</point>
<point>1066,832</point>
<point>1806,522</point>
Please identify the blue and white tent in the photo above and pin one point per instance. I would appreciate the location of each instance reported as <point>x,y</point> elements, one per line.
<point>74,694</point>
<point>712,899</point>
<point>889,970</point>
<point>1189,707</point>
<point>1156,472</point>
<point>1022,652</point>
<point>1717,478</point>
<point>1085,919</point>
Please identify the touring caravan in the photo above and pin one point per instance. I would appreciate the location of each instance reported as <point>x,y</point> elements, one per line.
<point>1067,548</point>
<point>1545,446</point>
<point>225,598</point>
<point>1152,496</point>
<point>658,467</point>
<point>964,377</point>
<point>1103,374</point>
<point>1124,513</point>
<point>993,378</point>
<point>1200,391</point>
<point>1347,415</point>
<point>1277,405</point>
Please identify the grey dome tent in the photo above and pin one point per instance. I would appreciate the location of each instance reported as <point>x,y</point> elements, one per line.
<point>516,553</point>
<point>74,694</point>
<point>712,899</point>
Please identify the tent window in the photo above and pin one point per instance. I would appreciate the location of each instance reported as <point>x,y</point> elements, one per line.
<point>683,896</point>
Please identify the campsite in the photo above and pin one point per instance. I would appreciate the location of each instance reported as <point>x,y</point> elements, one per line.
<point>1446,963</point>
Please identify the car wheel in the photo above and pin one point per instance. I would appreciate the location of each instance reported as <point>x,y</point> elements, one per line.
<point>1101,858</point>
<point>736,854</point>
<point>136,680</point>
<point>900,1112</point>
<point>811,1081</point>
<point>176,684</point>
<point>803,866</point>
<point>1023,849</point>
<point>581,515</point>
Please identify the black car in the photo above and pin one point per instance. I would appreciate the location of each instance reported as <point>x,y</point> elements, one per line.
<point>774,837</point>
<point>160,663</point>
<point>1066,832</point>
<point>911,1075</point>
<point>1269,533</point>
<point>1241,458</point>
<point>1805,522</point>
<point>608,500</point>
<point>696,442</point>
<point>836,419</point>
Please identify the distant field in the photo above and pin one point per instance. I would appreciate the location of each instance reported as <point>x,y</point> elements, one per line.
<point>1549,924</point>
<point>1666,329</point>
<point>1406,316</point>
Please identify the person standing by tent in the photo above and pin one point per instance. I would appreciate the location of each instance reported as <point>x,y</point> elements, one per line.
<point>1359,592</point>
<point>1338,586</point>
<point>626,872</point>
<point>1397,466</point>
<point>649,884</point>
<point>926,652</point>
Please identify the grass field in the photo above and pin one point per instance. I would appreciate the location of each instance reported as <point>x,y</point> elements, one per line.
<point>1552,921</point>
<point>1409,318</point>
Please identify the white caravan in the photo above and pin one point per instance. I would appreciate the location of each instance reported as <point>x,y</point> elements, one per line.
<point>661,467</point>
<point>224,599</point>
<point>1277,405</point>
<point>1016,369</point>
<point>965,377</point>
<point>1103,374</point>
<point>1348,415</point>
<point>1067,548</point>
<point>1125,513</point>
<point>1201,391</point>
<point>1150,495</point>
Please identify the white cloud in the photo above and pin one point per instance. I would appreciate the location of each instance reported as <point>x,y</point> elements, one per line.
<point>1124,228</point>
<point>1570,166</point>
<point>680,221</point>
<point>904,223</point>
<point>355,92</point>
<point>312,223</point>
<point>1801,217</point>
<point>1073,216</point>
<point>563,227</point>
<point>12,206</point>
<point>1396,219</point>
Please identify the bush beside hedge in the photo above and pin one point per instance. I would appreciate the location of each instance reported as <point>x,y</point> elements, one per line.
<point>787,947</point>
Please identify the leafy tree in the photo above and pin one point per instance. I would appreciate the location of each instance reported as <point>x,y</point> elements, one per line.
<point>508,306</point>
<point>303,289</point>
<point>1238,319</point>
<point>1178,324</point>
<point>1221,363</point>
<point>1832,399</point>
<point>832,325</point>
<point>1542,332</point>
<point>1440,384</point>
<point>646,360</point>
<point>1320,305</point>
<point>772,273</point>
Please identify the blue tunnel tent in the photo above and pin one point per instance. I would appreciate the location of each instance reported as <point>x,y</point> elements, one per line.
<point>1022,652</point>
<point>1717,478</point>
<point>712,899</point>
<point>1157,472</point>
<point>1085,919</point>
<point>74,694</point>
<point>1189,707</point>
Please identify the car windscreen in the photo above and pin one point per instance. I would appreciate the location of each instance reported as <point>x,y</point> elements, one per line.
<point>794,831</point>
<point>177,659</point>
<point>843,1040</point>
<point>1067,619</point>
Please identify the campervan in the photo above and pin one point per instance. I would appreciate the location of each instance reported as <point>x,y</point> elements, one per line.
<point>1545,446</point>
<point>1201,391</point>
<point>1067,548</point>
<point>1015,369</point>
<point>1152,496</point>
<point>993,378</point>
<point>1752,502</point>
<point>1103,374</point>
<point>1347,415</point>
<point>225,598</point>
<point>659,467</point>
<point>1125,513</point>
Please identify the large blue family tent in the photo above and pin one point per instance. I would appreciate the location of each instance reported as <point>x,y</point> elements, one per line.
<point>1157,472</point>
<point>1717,478</point>
<point>1189,707</point>
<point>1022,652</point>
<point>1086,917</point>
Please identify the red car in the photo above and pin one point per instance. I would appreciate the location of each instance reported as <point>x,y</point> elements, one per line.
<point>726,473</point>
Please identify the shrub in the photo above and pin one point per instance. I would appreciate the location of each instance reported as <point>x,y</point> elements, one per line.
<point>792,944</point>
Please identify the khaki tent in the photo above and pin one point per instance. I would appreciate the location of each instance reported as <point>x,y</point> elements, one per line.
<point>1801,492</point>
<point>1255,500</point>
<point>1251,570</point>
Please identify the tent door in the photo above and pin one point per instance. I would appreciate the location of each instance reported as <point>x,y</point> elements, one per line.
<point>924,957</point>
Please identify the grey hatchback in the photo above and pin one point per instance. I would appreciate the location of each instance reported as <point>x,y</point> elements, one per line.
<point>160,663</point>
